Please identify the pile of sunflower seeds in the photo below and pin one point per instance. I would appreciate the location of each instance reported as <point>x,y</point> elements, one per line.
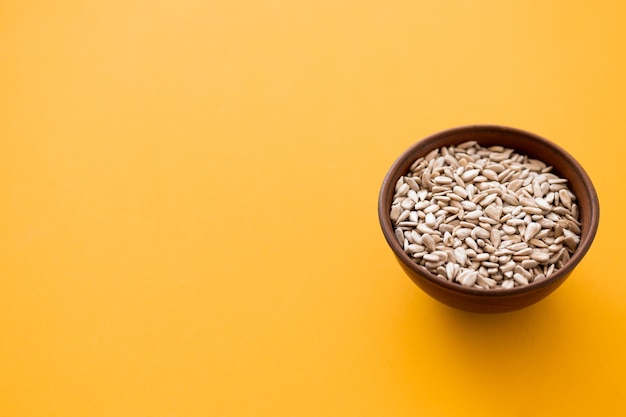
<point>485,217</point>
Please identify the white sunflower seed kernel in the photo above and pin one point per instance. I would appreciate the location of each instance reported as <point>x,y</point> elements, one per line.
<point>520,279</point>
<point>531,230</point>
<point>461,255</point>
<point>402,190</point>
<point>428,242</point>
<point>468,278</point>
<point>508,283</point>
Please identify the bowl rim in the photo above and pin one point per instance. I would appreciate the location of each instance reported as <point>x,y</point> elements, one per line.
<point>386,225</point>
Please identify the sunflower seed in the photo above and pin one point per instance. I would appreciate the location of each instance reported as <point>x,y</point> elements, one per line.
<point>460,191</point>
<point>520,279</point>
<point>432,265</point>
<point>486,282</point>
<point>565,198</point>
<point>428,242</point>
<point>414,248</point>
<point>529,264</point>
<point>509,266</point>
<point>531,230</point>
<point>471,243</point>
<point>540,256</point>
<point>571,239</point>
<point>468,205</point>
<point>395,213</point>
<point>431,258</point>
<point>467,278</point>
<point>399,236</point>
<point>509,230</point>
<point>494,212</point>
<point>430,220</point>
<point>463,232</point>
<point>461,255</point>
<point>402,189</point>
<point>508,283</point>
<point>442,180</point>
<point>423,228</point>
<point>543,204</point>
<point>467,145</point>
<point>470,174</point>
<point>473,215</point>
<point>452,269</point>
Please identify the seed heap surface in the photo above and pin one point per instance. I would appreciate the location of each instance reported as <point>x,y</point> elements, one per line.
<point>485,217</point>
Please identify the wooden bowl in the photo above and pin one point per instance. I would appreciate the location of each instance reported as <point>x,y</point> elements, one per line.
<point>495,300</point>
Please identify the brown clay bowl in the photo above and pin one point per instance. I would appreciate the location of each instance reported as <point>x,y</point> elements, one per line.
<point>496,300</point>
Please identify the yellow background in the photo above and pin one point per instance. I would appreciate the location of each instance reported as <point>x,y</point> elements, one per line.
<point>188,207</point>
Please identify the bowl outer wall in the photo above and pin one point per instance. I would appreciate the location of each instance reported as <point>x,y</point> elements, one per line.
<point>495,300</point>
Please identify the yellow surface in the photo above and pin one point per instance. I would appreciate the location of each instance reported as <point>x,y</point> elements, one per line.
<point>188,222</point>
